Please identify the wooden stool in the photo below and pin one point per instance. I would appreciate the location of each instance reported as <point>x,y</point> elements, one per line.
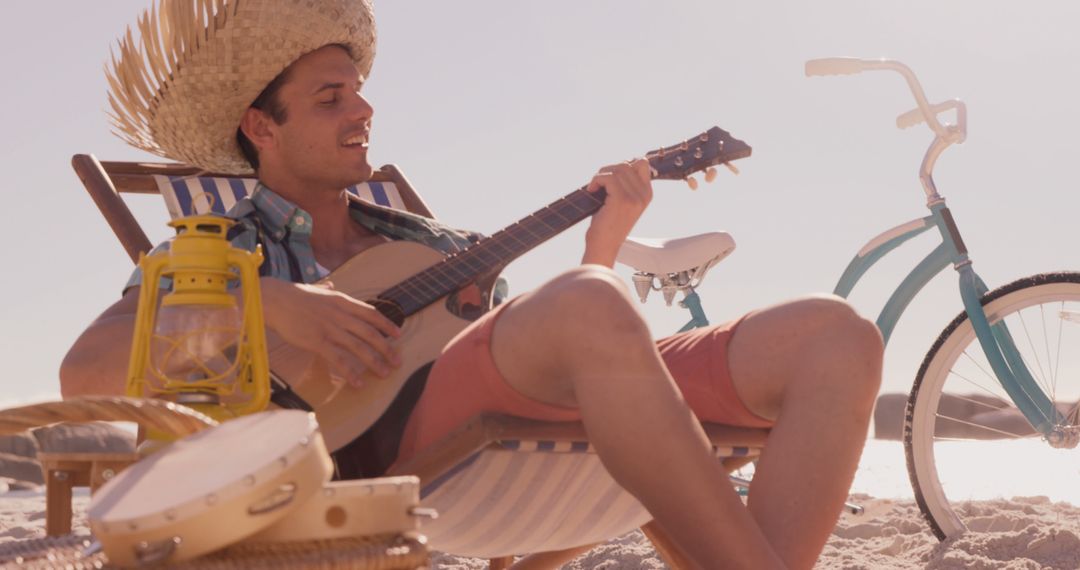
<point>65,471</point>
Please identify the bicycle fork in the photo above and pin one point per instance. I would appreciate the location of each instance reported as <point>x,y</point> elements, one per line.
<point>999,347</point>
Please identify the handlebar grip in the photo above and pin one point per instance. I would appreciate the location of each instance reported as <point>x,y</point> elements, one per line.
<point>834,66</point>
<point>910,119</point>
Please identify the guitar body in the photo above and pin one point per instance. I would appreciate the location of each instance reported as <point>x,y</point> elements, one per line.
<point>344,412</point>
<point>421,286</point>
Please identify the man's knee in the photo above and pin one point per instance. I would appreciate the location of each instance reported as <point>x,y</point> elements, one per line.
<point>823,333</point>
<point>591,296</point>
<point>840,339</point>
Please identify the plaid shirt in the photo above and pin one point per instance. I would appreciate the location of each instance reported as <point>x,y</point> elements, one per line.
<point>284,231</point>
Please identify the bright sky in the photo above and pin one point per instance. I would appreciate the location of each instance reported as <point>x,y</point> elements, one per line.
<point>495,108</point>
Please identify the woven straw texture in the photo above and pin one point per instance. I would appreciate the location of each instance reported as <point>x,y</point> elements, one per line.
<point>158,415</point>
<point>360,553</point>
<point>180,90</point>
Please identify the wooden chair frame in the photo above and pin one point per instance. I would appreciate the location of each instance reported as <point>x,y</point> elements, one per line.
<point>106,180</point>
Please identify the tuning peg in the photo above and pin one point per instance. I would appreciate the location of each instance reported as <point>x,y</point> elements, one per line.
<point>710,174</point>
<point>732,168</point>
<point>691,182</point>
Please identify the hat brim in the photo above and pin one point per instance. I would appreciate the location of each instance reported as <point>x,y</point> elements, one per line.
<point>182,91</point>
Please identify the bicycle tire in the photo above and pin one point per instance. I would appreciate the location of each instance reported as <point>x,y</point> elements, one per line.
<point>933,422</point>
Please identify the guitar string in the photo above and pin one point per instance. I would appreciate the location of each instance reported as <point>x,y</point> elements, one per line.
<point>448,276</point>
<point>523,226</point>
<point>446,271</point>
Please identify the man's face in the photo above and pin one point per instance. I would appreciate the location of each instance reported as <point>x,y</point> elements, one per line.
<point>324,139</point>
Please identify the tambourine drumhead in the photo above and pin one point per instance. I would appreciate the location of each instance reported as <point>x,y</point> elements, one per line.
<point>210,489</point>
<point>366,507</point>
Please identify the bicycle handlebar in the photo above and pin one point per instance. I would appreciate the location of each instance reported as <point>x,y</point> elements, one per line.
<point>915,116</point>
<point>924,112</point>
<point>834,66</point>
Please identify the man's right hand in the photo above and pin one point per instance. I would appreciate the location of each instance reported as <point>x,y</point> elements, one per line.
<point>351,335</point>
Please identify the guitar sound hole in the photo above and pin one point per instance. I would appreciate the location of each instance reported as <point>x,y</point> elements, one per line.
<point>389,309</point>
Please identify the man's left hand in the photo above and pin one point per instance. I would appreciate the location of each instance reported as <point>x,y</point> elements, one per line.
<point>629,191</point>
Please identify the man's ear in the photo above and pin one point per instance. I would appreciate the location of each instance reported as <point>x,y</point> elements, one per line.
<point>256,126</point>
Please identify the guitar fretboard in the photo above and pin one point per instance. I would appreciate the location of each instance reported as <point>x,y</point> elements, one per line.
<point>489,254</point>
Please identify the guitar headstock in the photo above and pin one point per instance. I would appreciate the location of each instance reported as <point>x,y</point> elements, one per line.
<point>712,147</point>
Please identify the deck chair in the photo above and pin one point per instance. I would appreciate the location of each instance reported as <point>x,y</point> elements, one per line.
<point>503,486</point>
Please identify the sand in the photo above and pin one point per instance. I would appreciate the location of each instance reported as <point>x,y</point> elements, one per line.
<point>1022,533</point>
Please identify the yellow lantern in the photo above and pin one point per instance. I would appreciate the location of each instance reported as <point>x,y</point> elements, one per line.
<point>202,348</point>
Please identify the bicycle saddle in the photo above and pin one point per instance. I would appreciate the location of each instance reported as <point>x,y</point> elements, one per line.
<point>663,256</point>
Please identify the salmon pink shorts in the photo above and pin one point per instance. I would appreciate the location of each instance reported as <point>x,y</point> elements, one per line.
<point>464,382</point>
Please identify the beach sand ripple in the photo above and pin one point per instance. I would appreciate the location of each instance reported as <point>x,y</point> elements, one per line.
<point>1027,533</point>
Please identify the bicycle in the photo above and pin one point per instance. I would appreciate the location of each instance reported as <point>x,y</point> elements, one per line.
<point>994,371</point>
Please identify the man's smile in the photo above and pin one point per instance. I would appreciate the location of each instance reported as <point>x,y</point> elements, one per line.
<point>356,141</point>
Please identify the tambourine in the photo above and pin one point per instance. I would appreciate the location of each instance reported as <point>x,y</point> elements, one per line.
<point>211,489</point>
<point>367,507</point>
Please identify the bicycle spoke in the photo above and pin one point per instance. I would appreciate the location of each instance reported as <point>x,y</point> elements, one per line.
<point>1046,345</point>
<point>1061,325</point>
<point>980,426</point>
<point>991,377</point>
<point>1073,415</point>
<point>1041,379</point>
<point>1023,324</point>
<point>1004,405</point>
<point>958,398</point>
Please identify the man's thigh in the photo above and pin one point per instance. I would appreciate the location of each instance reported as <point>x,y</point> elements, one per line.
<point>697,360</point>
<point>776,345</point>
<point>463,383</point>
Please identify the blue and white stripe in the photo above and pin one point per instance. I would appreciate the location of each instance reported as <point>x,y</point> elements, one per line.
<point>188,195</point>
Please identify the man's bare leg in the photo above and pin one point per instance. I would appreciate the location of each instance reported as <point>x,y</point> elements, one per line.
<point>578,341</point>
<point>813,366</point>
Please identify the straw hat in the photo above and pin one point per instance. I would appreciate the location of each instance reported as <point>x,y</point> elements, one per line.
<point>181,90</point>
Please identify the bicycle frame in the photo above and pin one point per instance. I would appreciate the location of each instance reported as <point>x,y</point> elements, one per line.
<point>995,339</point>
<point>691,302</point>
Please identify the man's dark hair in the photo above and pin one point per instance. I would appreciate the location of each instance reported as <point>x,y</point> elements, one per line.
<point>267,102</point>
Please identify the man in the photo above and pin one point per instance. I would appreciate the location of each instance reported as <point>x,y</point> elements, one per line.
<point>575,348</point>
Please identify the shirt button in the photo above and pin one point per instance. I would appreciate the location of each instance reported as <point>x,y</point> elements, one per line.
<point>299,220</point>
<point>310,270</point>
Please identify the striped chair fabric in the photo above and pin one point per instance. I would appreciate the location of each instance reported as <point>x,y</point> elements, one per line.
<point>187,195</point>
<point>517,497</point>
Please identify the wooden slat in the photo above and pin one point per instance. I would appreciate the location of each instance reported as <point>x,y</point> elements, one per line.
<point>138,178</point>
<point>486,429</point>
<point>670,552</point>
<point>413,202</point>
<point>551,560</point>
<point>58,513</point>
<point>105,180</point>
<point>112,207</point>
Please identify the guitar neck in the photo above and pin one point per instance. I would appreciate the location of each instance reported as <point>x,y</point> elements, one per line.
<point>712,147</point>
<point>492,253</point>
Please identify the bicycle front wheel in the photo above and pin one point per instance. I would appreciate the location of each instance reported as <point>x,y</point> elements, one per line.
<point>963,436</point>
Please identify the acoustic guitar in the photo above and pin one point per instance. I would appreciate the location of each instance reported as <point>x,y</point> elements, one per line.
<point>412,279</point>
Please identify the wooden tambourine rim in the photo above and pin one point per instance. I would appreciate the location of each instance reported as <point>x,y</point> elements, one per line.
<point>220,517</point>
<point>369,507</point>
